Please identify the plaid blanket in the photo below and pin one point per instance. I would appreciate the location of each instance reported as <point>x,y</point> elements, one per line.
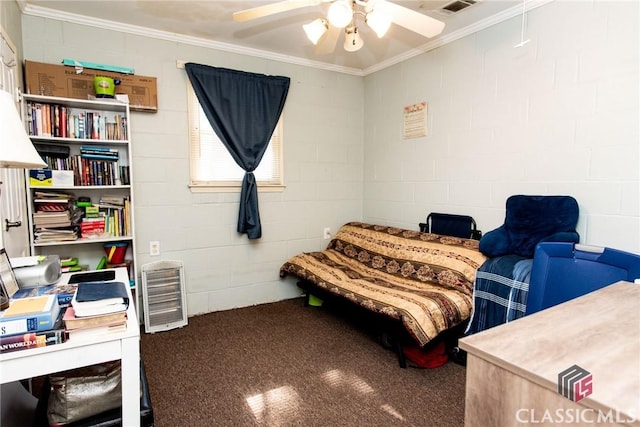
<point>500,292</point>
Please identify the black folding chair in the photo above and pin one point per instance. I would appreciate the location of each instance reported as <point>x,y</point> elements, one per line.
<point>462,226</point>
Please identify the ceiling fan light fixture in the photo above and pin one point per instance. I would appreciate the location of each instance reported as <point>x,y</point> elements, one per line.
<point>352,40</point>
<point>340,13</point>
<point>316,29</point>
<point>378,22</point>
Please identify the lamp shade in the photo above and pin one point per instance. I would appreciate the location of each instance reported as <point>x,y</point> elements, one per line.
<point>340,13</point>
<point>16,149</point>
<point>315,29</point>
<point>379,22</point>
<point>352,39</point>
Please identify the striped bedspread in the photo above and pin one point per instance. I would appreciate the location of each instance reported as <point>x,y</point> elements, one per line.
<point>425,280</point>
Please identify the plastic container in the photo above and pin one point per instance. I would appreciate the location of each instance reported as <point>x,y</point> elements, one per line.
<point>314,301</point>
<point>115,252</point>
<point>105,87</point>
<point>562,271</point>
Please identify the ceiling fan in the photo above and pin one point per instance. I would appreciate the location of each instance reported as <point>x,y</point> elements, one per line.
<point>343,16</point>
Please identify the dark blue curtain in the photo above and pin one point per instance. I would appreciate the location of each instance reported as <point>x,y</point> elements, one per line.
<point>243,109</point>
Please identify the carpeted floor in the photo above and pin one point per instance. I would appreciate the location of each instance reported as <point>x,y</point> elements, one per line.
<point>283,364</point>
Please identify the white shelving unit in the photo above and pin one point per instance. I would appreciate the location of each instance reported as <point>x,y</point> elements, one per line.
<point>93,178</point>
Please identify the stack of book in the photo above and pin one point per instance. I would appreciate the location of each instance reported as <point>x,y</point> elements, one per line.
<point>51,210</point>
<point>92,227</point>
<point>31,322</point>
<point>98,165</point>
<point>97,308</point>
<point>47,201</point>
<point>44,235</point>
<point>93,223</point>
<point>52,218</point>
<point>82,327</point>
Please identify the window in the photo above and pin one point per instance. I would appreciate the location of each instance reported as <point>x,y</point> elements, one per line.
<point>212,167</point>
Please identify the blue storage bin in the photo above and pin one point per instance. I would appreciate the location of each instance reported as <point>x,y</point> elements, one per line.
<point>563,271</point>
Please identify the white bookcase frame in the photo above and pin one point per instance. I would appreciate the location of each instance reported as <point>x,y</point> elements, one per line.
<point>89,250</point>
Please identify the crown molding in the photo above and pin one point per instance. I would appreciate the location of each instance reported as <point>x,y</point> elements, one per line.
<point>43,12</point>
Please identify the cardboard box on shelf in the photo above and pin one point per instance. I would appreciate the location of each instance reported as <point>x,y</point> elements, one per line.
<point>63,81</point>
<point>40,178</point>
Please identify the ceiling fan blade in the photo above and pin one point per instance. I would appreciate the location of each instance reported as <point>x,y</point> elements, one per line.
<point>272,9</point>
<point>410,19</point>
<point>327,43</point>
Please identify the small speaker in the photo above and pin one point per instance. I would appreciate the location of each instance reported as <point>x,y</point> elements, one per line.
<point>44,273</point>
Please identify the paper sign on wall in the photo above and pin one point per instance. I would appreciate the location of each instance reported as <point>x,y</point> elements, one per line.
<point>415,120</point>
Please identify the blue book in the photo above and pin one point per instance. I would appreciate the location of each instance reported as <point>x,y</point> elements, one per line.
<point>98,157</point>
<point>97,298</point>
<point>29,315</point>
<point>64,293</point>
<point>102,292</point>
<point>98,150</point>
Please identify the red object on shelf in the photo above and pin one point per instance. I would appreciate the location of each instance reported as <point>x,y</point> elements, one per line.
<point>115,252</point>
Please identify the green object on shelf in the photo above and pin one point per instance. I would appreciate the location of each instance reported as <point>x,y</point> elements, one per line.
<point>91,211</point>
<point>101,263</point>
<point>314,301</point>
<point>69,262</point>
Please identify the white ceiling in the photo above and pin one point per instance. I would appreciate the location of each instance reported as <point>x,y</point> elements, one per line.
<point>278,36</point>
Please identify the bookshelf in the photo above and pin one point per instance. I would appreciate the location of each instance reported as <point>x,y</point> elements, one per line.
<point>81,205</point>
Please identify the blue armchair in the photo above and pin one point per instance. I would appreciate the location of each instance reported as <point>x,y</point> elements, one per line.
<point>530,220</point>
<point>502,281</point>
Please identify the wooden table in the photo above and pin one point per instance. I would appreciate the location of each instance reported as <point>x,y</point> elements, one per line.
<point>512,369</point>
<point>124,346</point>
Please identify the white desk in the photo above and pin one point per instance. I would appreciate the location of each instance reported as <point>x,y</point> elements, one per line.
<point>124,346</point>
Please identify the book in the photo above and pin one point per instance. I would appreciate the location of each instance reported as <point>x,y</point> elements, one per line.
<point>99,293</point>
<point>29,315</point>
<point>96,310</point>
<point>55,335</point>
<point>72,322</point>
<point>63,292</point>
<point>97,331</point>
<point>27,306</point>
<point>95,298</point>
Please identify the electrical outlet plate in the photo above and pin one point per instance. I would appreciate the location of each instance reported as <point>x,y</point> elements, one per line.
<point>154,248</point>
<point>326,233</point>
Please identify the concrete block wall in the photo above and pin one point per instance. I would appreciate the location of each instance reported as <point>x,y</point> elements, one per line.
<point>556,116</point>
<point>323,161</point>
